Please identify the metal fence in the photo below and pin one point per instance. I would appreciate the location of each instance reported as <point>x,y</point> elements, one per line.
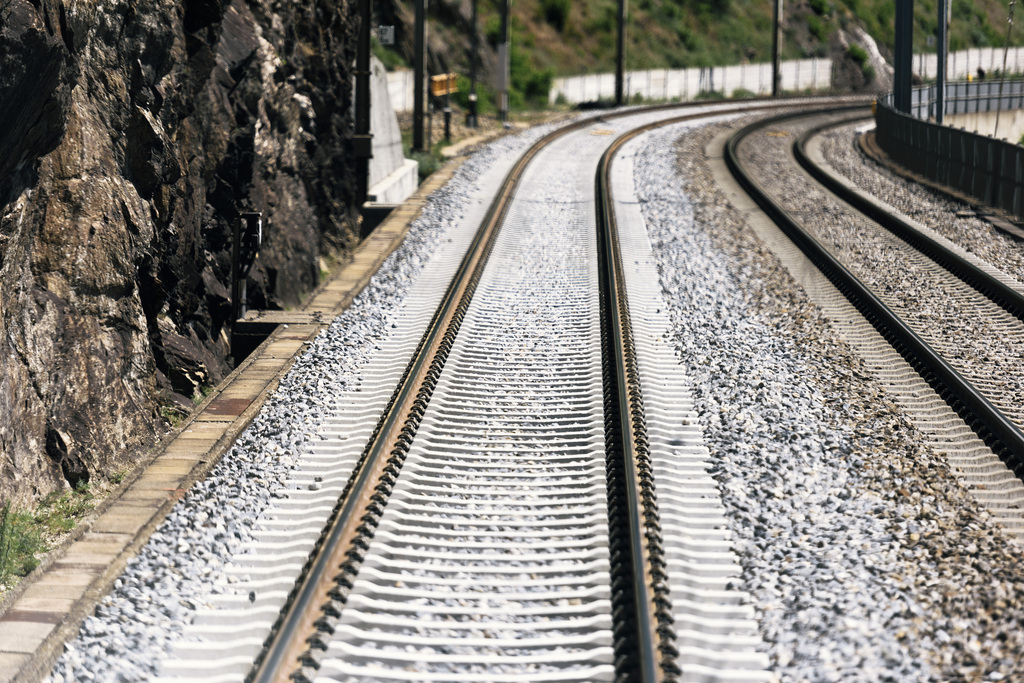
<point>983,167</point>
<point>968,98</point>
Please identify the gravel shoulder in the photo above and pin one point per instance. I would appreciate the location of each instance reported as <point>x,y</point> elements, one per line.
<point>185,562</point>
<point>866,558</point>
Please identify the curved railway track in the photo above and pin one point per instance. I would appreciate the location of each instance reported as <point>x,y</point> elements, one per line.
<point>502,519</point>
<point>534,500</point>
<point>973,390</point>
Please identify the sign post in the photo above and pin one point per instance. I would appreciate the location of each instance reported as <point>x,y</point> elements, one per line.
<point>444,85</point>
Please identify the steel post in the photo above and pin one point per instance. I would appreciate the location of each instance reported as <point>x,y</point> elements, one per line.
<point>904,55</point>
<point>474,50</point>
<point>363,139</point>
<point>419,76</point>
<point>504,57</point>
<point>620,55</point>
<point>941,51</point>
<point>777,50</point>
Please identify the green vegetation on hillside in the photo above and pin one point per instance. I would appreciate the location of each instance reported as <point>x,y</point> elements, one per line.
<point>563,37</point>
<point>573,37</point>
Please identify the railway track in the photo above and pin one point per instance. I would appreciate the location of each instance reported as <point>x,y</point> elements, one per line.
<point>517,514</point>
<point>533,504</point>
<point>935,304</point>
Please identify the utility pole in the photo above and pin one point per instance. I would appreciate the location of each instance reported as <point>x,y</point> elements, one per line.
<point>504,71</point>
<point>620,56</point>
<point>777,50</point>
<point>941,51</point>
<point>904,58</point>
<point>419,76</point>
<point>363,138</point>
<point>1002,78</point>
<point>474,41</point>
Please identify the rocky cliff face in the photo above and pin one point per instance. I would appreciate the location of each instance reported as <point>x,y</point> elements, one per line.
<point>132,132</point>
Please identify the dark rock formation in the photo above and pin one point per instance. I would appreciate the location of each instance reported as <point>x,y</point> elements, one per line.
<point>448,38</point>
<point>131,135</point>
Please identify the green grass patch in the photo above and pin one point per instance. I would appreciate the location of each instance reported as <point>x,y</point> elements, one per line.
<point>712,95</point>
<point>118,475</point>
<point>25,534</point>
<point>389,58</point>
<point>59,512</point>
<point>20,541</point>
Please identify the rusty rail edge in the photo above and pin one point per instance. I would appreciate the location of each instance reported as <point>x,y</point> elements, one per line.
<point>644,640</point>
<point>314,605</point>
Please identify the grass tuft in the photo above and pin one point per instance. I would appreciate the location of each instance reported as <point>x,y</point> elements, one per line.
<point>59,512</point>
<point>20,541</point>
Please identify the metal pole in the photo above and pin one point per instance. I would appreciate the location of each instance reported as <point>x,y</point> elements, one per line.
<point>236,290</point>
<point>503,61</point>
<point>419,76</point>
<point>363,138</point>
<point>777,50</point>
<point>941,52</point>
<point>620,55</point>
<point>1003,79</point>
<point>474,41</point>
<point>447,117</point>
<point>904,55</point>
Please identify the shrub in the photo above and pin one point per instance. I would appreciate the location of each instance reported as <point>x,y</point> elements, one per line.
<point>818,28</point>
<point>484,96</point>
<point>605,22</point>
<point>710,95</point>
<point>858,54</point>
<point>529,85</point>
<point>388,57</point>
<point>821,7</point>
<point>492,30</point>
<point>428,163</point>
<point>59,512</point>
<point>556,12</point>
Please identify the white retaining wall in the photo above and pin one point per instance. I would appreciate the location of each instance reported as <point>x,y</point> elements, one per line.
<point>685,84</point>
<point>960,64</point>
<point>664,84</point>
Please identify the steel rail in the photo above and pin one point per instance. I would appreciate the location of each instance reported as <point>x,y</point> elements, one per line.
<point>652,641</point>
<point>990,424</point>
<point>318,597</point>
<point>1001,294</point>
<point>626,446</point>
<point>353,520</point>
